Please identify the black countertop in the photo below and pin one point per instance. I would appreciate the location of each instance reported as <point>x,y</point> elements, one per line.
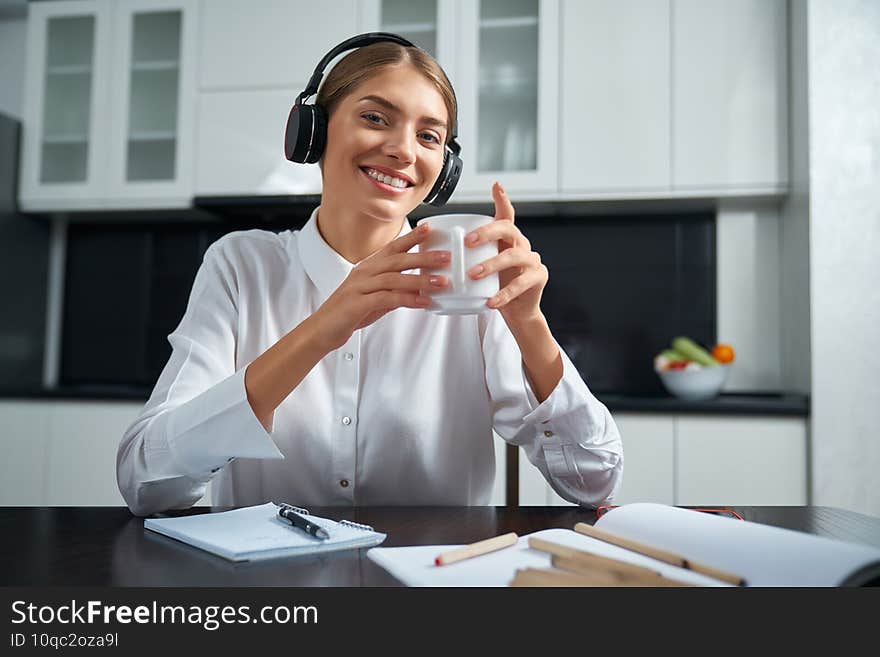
<point>783,404</point>
<point>756,403</point>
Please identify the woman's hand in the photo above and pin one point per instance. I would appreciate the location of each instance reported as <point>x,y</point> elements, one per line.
<point>377,286</point>
<point>522,275</point>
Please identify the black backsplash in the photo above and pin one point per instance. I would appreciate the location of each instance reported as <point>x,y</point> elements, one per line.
<point>621,287</point>
<point>126,289</point>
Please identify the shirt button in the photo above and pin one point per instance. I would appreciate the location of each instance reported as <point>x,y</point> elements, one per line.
<point>343,483</point>
<point>548,433</point>
<point>346,420</point>
<point>349,355</point>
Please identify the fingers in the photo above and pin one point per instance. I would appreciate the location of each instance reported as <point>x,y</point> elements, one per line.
<point>405,282</point>
<point>519,285</point>
<point>387,300</point>
<point>408,241</point>
<point>498,230</point>
<point>511,258</point>
<point>503,207</point>
<point>405,261</point>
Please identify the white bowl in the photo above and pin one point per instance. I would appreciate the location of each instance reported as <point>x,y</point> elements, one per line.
<point>694,385</point>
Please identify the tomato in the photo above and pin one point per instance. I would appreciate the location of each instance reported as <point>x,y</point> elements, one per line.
<point>723,353</point>
<point>677,365</point>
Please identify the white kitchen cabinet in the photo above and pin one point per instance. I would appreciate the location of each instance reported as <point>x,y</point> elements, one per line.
<point>614,107</point>
<point>251,72</point>
<point>109,105</point>
<point>533,488</point>
<point>648,453</point>
<point>240,151</point>
<point>265,44</point>
<point>741,460</point>
<point>81,456</point>
<point>499,490</point>
<point>153,105</point>
<point>730,94</point>
<point>63,453</point>
<point>507,86</point>
<point>65,138</point>
<point>692,460</point>
<point>23,466</point>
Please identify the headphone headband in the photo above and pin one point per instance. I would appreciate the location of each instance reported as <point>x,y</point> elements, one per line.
<point>354,42</point>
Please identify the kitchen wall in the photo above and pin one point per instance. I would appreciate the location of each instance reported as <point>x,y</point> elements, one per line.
<point>843,64</point>
<point>749,294</point>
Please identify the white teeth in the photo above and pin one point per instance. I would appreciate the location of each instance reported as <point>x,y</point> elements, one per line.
<point>388,180</point>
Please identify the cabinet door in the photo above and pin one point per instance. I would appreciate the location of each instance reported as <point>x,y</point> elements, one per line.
<point>648,458</point>
<point>270,43</point>
<point>65,110</point>
<point>746,461</point>
<point>83,440</point>
<point>533,488</point>
<point>23,466</point>
<point>730,90</point>
<point>429,24</point>
<point>151,148</point>
<point>499,490</point>
<point>614,98</point>
<point>240,146</point>
<point>507,91</point>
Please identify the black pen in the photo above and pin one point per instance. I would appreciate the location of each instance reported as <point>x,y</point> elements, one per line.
<point>298,521</point>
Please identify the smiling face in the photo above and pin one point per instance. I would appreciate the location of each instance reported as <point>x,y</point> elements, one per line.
<point>385,144</point>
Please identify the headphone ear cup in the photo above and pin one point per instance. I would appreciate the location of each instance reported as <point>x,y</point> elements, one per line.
<point>296,136</point>
<point>446,181</point>
<point>306,134</point>
<point>319,139</point>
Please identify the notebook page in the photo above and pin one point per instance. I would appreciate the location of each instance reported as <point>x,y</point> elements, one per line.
<point>764,555</point>
<point>257,532</point>
<point>414,566</point>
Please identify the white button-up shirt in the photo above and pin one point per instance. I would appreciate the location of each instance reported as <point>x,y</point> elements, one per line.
<point>402,413</point>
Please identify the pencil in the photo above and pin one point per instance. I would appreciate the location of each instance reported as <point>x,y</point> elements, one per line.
<point>550,577</point>
<point>657,553</point>
<point>476,549</point>
<point>613,577</point>
<point>618,573</point>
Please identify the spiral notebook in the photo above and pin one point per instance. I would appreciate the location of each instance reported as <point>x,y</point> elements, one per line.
<point>256,532</point>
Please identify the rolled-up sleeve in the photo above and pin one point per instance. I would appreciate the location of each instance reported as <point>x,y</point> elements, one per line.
<point>570,437</point>
<point>198,417</point>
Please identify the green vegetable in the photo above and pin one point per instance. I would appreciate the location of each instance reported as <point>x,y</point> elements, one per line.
<point>692,351</point>
<point>673,355</point>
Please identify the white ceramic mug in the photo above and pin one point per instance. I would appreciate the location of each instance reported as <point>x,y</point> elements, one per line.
<point>463,295</point>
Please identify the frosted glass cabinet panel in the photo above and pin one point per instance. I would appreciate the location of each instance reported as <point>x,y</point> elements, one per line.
<point>430,24</point>
<point>151,155</point>
<point>155,85</point>
<point>507,89</point>
<point>507,107</point>
<point>65,111</point>
<point>415,20</point>
<point>71,45</point>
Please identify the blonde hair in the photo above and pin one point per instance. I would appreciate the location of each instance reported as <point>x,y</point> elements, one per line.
<point>363,63</point>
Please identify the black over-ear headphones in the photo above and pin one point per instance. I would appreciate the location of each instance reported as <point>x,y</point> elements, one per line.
<point>306,134</point>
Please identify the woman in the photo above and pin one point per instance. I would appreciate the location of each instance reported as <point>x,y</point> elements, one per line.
<point>306,370</point>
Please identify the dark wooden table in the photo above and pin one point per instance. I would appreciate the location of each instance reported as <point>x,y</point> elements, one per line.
<point>106,546</point>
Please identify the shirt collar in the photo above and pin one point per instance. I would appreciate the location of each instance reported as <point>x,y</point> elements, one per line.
<point>324,266</point>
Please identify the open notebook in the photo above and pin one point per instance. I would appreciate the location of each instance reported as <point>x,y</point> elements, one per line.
<point>256,532</point>
<point>763,555</point>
